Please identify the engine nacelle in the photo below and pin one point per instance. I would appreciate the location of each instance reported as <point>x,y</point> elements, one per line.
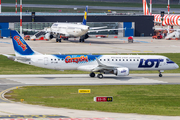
<point>47,35</point>
<point>121,71</point>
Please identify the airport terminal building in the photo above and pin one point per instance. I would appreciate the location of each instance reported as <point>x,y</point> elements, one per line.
<point>135,25</point>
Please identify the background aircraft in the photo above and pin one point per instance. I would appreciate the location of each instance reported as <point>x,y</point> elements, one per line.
<point>68,30</point>
<point>119,65</point>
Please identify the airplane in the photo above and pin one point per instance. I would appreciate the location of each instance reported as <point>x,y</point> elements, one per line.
<point>119,65</point>
<point>172,20</point>
<point>68,30</point>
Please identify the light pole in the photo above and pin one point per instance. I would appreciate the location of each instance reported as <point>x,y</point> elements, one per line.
<point>21,17</point>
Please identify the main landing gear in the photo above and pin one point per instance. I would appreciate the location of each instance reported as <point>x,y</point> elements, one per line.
<point>92,74</point>
<point>100,76</point>
<point>58,38</point>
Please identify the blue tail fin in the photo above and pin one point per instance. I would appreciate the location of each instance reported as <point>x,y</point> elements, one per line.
<point>85,16</point>
<point>20,46</point>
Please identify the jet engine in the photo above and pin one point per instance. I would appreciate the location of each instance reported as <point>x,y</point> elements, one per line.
<point>121,71</point>
<point>47,36</point>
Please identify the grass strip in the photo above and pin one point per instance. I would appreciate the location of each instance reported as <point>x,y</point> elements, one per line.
<point>142,99</point>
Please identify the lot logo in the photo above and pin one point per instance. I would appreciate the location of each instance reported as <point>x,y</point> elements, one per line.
<point>123,71</point>
<point>149,63</point>
<point>17,39</point>
<point>68,59</point>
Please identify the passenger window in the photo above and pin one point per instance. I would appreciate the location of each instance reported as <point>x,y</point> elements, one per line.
<point>119,59</point>
<point>130,59</point>
<point>104,59</point>
<point>116,60</point>
<point>112,59</point>
<point>123,59</point>
<point>100,59</point>
<point>134,59</point>
<point>108,59</point>
<point>126,59</point>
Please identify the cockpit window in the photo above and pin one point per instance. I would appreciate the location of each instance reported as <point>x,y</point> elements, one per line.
<point>54,25</point>
<point>168,60</point>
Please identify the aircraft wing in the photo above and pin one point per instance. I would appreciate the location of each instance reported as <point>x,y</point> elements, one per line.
<point>47,30</point>
<point>94,28</point>
<point>104,30</point>
<point>102,67</point>
<point>32,30</point>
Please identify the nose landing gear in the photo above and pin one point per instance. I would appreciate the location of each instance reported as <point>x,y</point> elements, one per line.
<point>160,75</point>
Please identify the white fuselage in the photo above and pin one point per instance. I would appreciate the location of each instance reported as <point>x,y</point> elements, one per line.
<point>68,29</point>
<point>89,62</point>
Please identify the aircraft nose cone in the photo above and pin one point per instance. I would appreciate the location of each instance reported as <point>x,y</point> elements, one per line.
<point>176,66</point>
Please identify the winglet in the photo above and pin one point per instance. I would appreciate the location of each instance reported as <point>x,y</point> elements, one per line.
<point>99,63</point>
<point>85,16</point>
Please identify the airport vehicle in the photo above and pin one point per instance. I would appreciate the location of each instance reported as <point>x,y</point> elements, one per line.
<point>68,30</point>
<point>171,19</point>
<point>119,65</point>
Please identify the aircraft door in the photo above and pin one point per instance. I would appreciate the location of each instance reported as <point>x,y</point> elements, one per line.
<point>161,62</point>
<point>45,61</point>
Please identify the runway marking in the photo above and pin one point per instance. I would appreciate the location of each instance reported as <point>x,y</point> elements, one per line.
<point>136,41</point>
<point>5,91</point>
<point>64,119</point>
<point>7,113</point>
<point>135,51</point>
<point>147,51</point>
<point>32,116</point>
<point>5,42</point>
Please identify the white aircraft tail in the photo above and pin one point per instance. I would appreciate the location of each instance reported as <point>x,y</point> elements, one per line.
<point>145,7</point>
<point>21,48</point>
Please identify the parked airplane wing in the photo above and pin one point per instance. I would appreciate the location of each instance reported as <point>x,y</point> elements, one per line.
<point>105,30</point>
<point>32,30</point>
<point>94,28</point>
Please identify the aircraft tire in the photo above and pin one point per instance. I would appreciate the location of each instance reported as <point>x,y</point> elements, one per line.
<point>160,75</point>
<point>51,36</point>
<point>59,40</point>
<point>100,76</point>
<point>92,74</point>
